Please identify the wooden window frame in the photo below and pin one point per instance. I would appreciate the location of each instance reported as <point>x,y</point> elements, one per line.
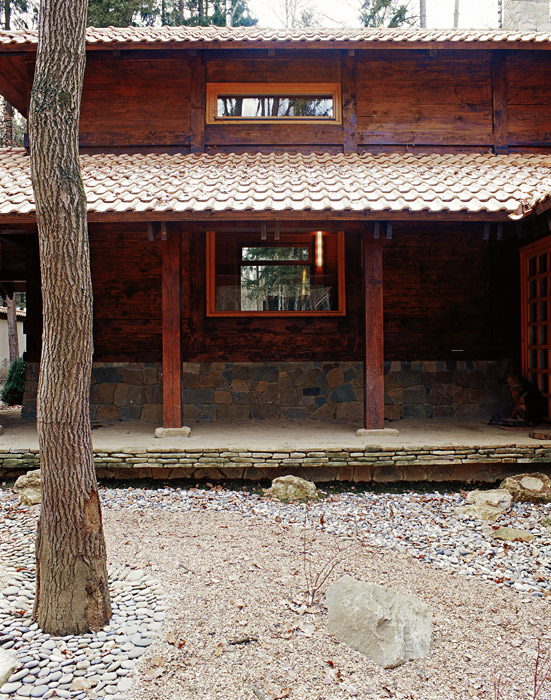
<point>535,250</point>
<point>211,287</point>
<point>281,89</point>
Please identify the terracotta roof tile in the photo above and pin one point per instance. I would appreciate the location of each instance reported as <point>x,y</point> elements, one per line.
<point>243,36</point>
<point>282,182</point>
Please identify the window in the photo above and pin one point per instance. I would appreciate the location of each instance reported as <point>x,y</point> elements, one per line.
<point>275,102</point>
<point>297,274</point>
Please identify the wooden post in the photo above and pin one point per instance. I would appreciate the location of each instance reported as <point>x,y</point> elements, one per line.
<point>173,405</point>
<point>374,357</point>
<point>349,127</point>
<point>499,102</point>
<point>197,102</point>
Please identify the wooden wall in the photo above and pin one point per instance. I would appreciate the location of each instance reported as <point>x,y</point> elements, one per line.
<point>445,289</point>
<point>136,100</point>
<point>415,98</point>
<point>393,99</point>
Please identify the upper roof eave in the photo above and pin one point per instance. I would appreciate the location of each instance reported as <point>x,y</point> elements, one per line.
<point>254,38</point>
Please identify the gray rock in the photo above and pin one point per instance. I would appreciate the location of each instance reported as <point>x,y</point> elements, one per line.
<point>8,664</point>
<point>387,626</point>
<point>28,488</point>
<point>292,488</point>
<point>512,534</point>
<point>497,498</point>
<point>480,511</point>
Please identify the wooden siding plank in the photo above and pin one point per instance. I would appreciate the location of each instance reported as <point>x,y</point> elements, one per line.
<point>273,70</point>
<point>248,134</point>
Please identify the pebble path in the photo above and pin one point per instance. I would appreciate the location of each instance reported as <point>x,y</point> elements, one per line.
<point>96,665</point>
<point>100,665</point>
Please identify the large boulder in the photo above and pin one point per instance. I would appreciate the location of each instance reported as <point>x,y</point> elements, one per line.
<point>8,664</point>
<point>387,626</point>
<point>533,488</point>
<point>292,488</point>
<point>28,488</point>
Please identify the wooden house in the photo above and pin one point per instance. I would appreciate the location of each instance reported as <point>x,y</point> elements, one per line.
<point>291,224</point>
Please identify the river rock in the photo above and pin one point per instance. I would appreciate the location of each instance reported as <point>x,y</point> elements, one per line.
<point>292,488</point>
<point>512,534</point>
<point>533,488</point>
<point>387,626</point>
<point>8,664</point>
<point>28,488</point>
<point>497,498</point>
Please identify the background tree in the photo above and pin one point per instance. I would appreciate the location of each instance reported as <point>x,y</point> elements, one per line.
<point>384,13</point>
<point>125,13</point>
<point>72,595</point>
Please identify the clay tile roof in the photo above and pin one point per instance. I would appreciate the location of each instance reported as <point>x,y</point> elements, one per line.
<point>199,186</point>
<point>230,37</point>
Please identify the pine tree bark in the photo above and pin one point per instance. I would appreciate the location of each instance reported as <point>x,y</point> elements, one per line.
<point>72,595</point>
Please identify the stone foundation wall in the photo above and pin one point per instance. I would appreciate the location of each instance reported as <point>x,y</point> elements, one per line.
<point>294,390</point>
<point>376,463</point>
<point>119,391</point>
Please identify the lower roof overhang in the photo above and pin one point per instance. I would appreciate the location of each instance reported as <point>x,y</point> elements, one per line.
<point>322,187</point>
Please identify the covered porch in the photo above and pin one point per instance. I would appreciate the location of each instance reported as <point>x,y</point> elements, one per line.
<point>438,449</point>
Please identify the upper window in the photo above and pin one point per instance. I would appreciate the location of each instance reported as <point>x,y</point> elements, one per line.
<point>297,273</point>
<point>260,102</point>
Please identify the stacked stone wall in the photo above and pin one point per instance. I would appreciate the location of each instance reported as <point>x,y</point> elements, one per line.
<point>376,463</point>
<point>294,390</point>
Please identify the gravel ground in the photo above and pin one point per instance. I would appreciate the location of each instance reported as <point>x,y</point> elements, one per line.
<point>231,568</point>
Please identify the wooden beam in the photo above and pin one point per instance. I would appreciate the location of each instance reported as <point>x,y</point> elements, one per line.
<point>198,104</point>
<point>173,404</point>
<point>374,402</point>
<point>348,81</point>
<point>499,101</point>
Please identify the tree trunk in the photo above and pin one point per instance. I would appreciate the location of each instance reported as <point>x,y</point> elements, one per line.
<point>456,14</point>
<point>13,338</point>
<point>72,596</point>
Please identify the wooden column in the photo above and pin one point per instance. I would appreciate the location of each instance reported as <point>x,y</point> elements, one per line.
<point>348,81</point>
<point>197,102</point>
<point>374,358</point>
<point>499,102</point>
<point>173,405</point>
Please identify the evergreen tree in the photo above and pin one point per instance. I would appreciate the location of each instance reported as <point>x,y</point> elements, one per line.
<point>384,13</point>
<point>126,13</point>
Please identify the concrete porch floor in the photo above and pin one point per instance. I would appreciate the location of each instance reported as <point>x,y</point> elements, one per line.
<point>424,450</point>
<point>284,435</point>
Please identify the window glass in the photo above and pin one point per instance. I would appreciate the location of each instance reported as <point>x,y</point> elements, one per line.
<point>298,273</point>
<point>262,106</point>
<point>294,102</point>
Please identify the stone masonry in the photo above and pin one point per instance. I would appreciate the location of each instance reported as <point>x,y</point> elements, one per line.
<point>375,463</point>
<point>527,15</point>
<point>294,390</point>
